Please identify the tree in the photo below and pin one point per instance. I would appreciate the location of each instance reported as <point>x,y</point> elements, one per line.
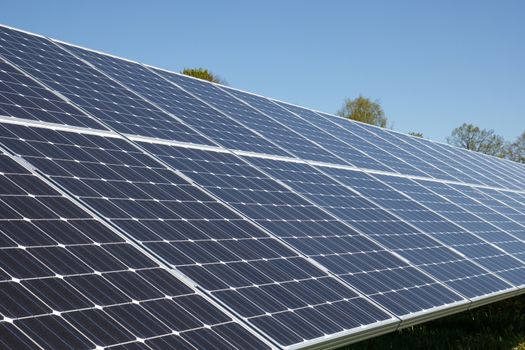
<point>364,110</point>
<point>516,150</point>
<point>203,74</point>
<point>473,138</point>
<point>416,134</point>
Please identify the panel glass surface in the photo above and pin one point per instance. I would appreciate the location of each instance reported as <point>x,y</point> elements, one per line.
<point>298,253</point>
<point>172,99</point>
<point>67,281</point>
<point>373,149</point>
<point>293,143</point>
<point>455,162</point>
<point>424,230</point>
<point>89,89</point>
<point>450,224</point>
<point>344,150</point>
<point>489,214</point>
<point>364,264</point>
<point>510,204</point>
<point>374,135</point>
<point>492,171</point>
<point>23,97</point>
<point>375,152</point>
<point>252,273</point>
<point>359,158</point>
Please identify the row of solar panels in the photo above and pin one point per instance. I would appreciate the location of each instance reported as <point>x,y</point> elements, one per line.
<point>144,209</point>
<point>135,99</point>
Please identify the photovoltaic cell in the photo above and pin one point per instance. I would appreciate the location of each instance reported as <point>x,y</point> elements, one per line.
<point>407,152</point>
<point>504,177</point>
<point>486,208</point>
<point>509,204</point>
<point>372,148</point>
<point>351,207</point>
<point>465,232</point>
<point>454,161</point>
<point>344,151</point>
<point>328,138</point>
<point>359,159</point>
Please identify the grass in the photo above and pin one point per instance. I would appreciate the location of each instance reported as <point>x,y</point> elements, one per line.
<point>499,325</point>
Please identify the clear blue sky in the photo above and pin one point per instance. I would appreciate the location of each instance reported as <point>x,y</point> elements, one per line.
<point>432,64</point>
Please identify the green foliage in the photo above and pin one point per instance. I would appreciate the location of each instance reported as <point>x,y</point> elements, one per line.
<point>486,141</point>
<point>516,150</point>
<point>499,325</point>
<point>475,139</point>
<point>416,134</point>
<point>363,110</point>
<point>203,74</point>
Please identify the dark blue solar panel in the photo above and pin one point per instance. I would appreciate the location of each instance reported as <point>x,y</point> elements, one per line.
<point>419,224</point>
<point>509,204</point>
<point>489,170</point>
<point>239,264</point>
<point>23,97</point>
<point>68,281</point>
<point>292,142</point>
<point>448,223</point>
<point>359,158</point>
<point>374,148</point>
<point>483,218</point>
<point>179,103</point>
<point>336,140</point>
<point>157,235</point>
<point>355,258</point>
<point>406,151</point>
<point>455,162</point>
<point>345,151</point>
<point>91,90</point>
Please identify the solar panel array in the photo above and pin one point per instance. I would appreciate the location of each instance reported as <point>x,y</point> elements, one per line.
<point>146,209</point>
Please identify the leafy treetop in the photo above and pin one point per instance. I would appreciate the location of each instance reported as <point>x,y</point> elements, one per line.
<point>203,74</point>
<point>476,139</point>
<point>364,110</point>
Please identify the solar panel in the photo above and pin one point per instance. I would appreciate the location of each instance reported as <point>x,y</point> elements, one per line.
<point>179,104</point>
<point>68,280</point>
<point>146,209</point>
<point>505,210</point>
<point>327,139</point>
<point>247,270</point>
<point>290,141</point>
<point>22,97</point>
<point>359,156</point>
<point>476,238</point>
<point>397,234</point>
<point>89,89</point>
<point>358,260</point>
<point>479,173</point>
<point>454,161</point>
<point>508,233</point>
